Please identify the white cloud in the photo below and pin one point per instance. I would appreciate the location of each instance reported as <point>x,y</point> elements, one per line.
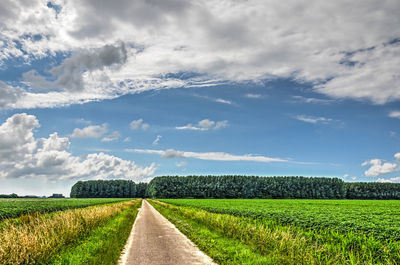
<point>347,176</point>
<point>92,131</point>
<point>311,100</point>
<point>137,124</point>
<point>127,139</point>
<point>115,135</point>
<point>24,156</point>
<point>314,120</point>
<point>204,125</point>
<point>378,167</point>
<point>217,100</point>
<point>254,96</point>
<point>216,156</point>
<point>394,114</point>
<point>181,164</point>
<point>390,180</point>
<point>397,156</point>
<point>157,140</point>
<point>353,56</point>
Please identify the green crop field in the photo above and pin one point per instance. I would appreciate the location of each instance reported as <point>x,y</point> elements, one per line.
<point>289,231</point>
<point>15,207</point>
<point>379,218</point>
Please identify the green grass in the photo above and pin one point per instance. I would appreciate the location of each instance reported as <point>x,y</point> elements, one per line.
<point>10,208</point>
<point>270,241</point>
<point>104,244</point>
<point>380,219</point>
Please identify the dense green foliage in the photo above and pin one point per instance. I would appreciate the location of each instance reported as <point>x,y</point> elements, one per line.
<point>268,188</point>
<point>104,189</point>
<point>141,190</point>
<point>16,207</point>
<point>245,187</point>
<point>378,218</point>
<point>372,190</point>
<point>104,244</point>
<point>266,241</point>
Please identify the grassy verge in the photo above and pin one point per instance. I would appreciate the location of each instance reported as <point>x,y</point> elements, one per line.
<point>241,240</point>
<point>36,238</point>
<point>104,244</point>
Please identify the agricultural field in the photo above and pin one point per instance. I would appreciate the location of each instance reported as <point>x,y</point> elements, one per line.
<point>290,231</point>
<point>95,234</point>
<point>15,207</point>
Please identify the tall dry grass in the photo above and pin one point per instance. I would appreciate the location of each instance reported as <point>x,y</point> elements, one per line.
<point>33,239</point>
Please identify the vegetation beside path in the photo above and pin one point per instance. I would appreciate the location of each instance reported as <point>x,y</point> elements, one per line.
<point>40,238</point>
<point>230,239</point>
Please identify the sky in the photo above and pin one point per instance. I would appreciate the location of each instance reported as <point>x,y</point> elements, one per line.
<point>96,89</point>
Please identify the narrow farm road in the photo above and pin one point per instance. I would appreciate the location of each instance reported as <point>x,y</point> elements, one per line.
<point>155,240</point>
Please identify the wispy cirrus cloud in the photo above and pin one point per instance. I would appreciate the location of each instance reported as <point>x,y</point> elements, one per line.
<point>216,156</point>
<point>204,125</point>
<point>313,120</point>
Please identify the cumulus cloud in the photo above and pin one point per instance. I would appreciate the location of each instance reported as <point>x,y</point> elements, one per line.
<point>139,124</point>
<point>313,120</point>
<point>204,125</point>
<point>379,167</point>
<point>9,95</point>
<point>389,180</point>
<point>216,156</point>
<point>115,135</point>
<point>92,131</point>
<point>355,55</point>
<point>24,156</point>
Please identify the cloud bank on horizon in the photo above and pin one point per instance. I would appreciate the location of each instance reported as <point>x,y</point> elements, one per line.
<point>120,47</point>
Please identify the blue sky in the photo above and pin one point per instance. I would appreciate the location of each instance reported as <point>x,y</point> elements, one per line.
<point>83,99</point>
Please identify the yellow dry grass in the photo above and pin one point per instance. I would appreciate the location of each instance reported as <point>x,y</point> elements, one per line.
<point>31,239</point>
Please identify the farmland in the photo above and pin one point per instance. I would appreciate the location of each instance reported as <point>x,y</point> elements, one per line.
<point>290,231</point>
<point>15,207</point>
<point>379,218</point>
<point>97,232</point>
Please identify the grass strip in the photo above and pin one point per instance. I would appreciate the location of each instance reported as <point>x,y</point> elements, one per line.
<point>104,244</point>
<point>272,243</point>
<point>34,239</point>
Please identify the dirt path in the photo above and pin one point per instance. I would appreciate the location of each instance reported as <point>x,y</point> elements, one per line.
<point>155,240</point>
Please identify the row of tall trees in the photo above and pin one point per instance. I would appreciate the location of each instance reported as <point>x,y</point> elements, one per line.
<point>245,187</point>
<point>108,189</point>
<point>236,187</point>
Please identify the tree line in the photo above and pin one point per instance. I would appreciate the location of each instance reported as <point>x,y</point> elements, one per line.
<point>108,189</point>
<point>236,186</point>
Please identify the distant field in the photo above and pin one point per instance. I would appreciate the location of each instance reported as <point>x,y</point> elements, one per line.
<point>289,231</point>
<point>15,207</point>
<point>379,218</point>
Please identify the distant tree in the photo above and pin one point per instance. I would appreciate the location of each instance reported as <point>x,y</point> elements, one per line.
<point>104,189</point>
